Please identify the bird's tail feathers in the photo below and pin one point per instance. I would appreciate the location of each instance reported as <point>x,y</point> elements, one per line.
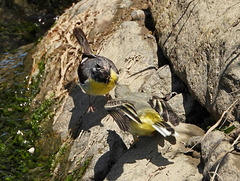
<point>82,40</point>
<point>164,129</point>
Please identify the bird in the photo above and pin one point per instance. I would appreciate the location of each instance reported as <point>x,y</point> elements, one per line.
<point>141,114</point>
<point>97,74</point>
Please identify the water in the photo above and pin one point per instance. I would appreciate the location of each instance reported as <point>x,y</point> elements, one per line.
<point>20,151</point>
<point>13,107</point>
<point>13,68</point>
<point>22,156</point>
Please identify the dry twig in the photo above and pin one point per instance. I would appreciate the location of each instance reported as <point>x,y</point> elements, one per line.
<point>33,69</point>
<point>229,109</point>
<point>220,161</point>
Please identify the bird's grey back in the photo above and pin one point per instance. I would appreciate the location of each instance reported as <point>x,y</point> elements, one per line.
<point>138,99</point>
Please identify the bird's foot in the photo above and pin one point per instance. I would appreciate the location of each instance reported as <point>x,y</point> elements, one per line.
<point>91,108</point>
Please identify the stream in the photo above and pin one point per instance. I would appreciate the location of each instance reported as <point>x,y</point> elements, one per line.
<point>21,28</point>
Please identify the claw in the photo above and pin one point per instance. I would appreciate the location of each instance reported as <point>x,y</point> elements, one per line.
<point>91,108</point>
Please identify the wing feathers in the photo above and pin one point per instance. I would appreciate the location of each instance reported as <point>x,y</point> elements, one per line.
<point>122,112</point>
<point>122,121</point>
<point>164,110</point>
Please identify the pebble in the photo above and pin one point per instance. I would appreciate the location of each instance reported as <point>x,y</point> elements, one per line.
<point>138,15</point>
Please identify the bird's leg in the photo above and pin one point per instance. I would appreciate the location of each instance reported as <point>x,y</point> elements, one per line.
<point>135,140</point>
<point>91,107</point>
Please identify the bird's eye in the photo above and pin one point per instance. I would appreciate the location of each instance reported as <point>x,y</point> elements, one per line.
<point>98,65</point>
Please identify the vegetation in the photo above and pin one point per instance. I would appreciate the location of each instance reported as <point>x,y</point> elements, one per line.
<point>23,22</point>
<point>78,173</point>
<point>20,132</point>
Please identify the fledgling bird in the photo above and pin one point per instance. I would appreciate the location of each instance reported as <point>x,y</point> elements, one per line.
<point>97,74</point>
<point>141,114</point>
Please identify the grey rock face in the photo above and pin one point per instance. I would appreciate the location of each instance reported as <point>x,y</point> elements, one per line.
<point>201,40</point>
<point>94,140</point>
<point>138,15</point>
<point>218,156</point>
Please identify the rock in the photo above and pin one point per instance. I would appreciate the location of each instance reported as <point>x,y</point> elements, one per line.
<point>178,104</point>
<point>163,82</point>
<point>216,149</point>
<point>156,158</point>
<point>159,83</point>
<point>138,15</point>
<point>135,56</point>
<point>201,40</point>
<point>95,145</point>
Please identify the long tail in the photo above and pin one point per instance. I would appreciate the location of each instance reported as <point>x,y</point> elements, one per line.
<point>164,129</point>
<point>82,40</point>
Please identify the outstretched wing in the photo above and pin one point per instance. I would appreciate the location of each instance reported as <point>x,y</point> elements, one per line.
<point>164,110</point>
<point>123,112</point>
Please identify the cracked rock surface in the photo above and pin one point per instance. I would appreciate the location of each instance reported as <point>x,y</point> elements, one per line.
<point>117,31</point>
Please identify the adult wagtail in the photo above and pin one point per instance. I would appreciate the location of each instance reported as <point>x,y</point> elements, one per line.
<point>97,74</point>
<point>141,114</point>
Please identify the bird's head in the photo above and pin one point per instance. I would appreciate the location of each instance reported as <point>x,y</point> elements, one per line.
<point>101,72</point>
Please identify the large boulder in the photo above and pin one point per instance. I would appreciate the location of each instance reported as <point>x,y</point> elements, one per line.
<point>219,157</point>
<point>93,147</point>
<point>201,40</point>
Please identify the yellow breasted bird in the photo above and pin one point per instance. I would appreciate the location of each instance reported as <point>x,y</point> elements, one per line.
<point>141,114</point>
<point>97,74</point>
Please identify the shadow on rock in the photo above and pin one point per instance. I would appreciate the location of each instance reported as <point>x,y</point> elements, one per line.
<point>194,112</point>
<point>111,164</point>
<point>116,149</point>
<point>80,119</point>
